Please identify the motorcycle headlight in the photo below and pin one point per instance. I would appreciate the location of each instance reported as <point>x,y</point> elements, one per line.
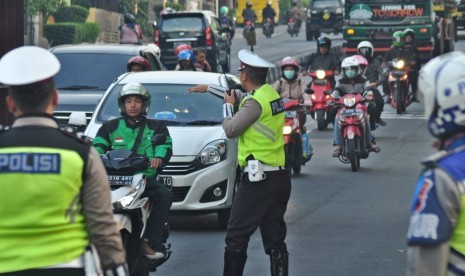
<point>399,64</point>
<point>349,102</point>
<point>213,153</point>
<point>320,74</point>
<point>287,130</point>
<point>127,200</point>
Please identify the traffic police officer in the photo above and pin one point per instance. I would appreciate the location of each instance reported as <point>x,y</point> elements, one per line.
<point>55,194</point>
<point>436,235</point>
<point>264,190</point>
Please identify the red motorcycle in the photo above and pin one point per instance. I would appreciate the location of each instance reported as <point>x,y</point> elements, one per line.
<point>293,145</point>
<point>351,122</point>
<point>320,90</point>
<point>399,85</point>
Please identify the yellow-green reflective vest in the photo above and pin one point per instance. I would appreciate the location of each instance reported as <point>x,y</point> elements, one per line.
<point>457,240</point>
<point>264,139</point>
<point>40,218</point>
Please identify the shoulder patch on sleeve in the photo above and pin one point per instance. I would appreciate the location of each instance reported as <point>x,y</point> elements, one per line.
<point>277,106</point>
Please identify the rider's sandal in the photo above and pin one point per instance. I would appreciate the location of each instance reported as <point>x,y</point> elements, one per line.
<point>374,148</point>
<point>337,152</point>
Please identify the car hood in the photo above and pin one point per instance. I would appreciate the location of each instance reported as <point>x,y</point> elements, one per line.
<point>82,100</point>
<point>191,140</point>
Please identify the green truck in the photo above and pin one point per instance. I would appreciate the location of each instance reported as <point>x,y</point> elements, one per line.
<point>377,20</point>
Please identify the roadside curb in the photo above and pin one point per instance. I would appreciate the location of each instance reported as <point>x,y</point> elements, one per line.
<point>275,73</point>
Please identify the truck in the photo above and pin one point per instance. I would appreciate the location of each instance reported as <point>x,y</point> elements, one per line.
<point>376,21</point>
<point>257,6</point>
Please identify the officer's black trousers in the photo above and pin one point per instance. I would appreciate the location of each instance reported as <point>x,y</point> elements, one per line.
<point>161,199</point>
<point>260,204</point>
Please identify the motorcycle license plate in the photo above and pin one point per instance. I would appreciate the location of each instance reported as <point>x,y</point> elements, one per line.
<point>398,73</point>
<point>350,112</point>
<point>291,114</point>
<point>167,181</point>
<point>120,180</point>
<point>319,82</point>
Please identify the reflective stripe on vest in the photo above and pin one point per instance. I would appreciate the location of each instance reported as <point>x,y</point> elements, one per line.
<point>264,139</point>
<point>41,223</point>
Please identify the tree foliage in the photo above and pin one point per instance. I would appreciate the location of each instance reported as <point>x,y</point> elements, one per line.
<point>44,7</point>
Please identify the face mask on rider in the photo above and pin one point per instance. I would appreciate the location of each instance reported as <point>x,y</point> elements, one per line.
<point>350,73</point>
<point>289,74</point>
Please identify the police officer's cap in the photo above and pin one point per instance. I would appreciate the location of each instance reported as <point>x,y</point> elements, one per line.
<point>27,65</point>
<point>251,61</point>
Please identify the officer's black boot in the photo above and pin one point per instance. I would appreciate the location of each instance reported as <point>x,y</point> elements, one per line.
<point>234,262</point>
<point>279,262</point>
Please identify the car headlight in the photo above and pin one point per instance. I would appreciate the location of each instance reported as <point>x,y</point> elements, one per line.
<point>127,200</point>
<point>349,102</point>
<point>213,153</point>
<point>320,74</point>
<point>287,130</point>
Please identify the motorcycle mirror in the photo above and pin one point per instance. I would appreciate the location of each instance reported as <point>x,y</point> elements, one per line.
<point>309,91</point>
<point>158,139</point>
<point>328,92</point>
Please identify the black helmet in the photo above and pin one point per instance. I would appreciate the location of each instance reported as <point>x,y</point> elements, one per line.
<point>128,17</point>
<point>323,41</point>
<point>409,32</point>
<point>248,4</point>
<point>294,2</point>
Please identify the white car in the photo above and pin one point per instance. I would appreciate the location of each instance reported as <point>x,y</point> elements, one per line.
<point>203,170</point>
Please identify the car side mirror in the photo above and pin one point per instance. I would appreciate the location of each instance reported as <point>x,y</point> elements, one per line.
<point>78,121</point>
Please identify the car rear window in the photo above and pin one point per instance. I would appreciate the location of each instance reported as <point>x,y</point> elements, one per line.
<point>182,24</point>
<point>326,4</point>
<point>92,70</point>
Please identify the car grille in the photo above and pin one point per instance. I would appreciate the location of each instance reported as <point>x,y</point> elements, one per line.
<point>63,116</point>
<point>328,22</point>
<point>181,168</point>
<point>179,193</point>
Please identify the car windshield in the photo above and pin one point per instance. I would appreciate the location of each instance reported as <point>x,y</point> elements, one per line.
<point>182,24</point>
<point>171,103</point>
<point>80,71</point>
<point>326,4</point>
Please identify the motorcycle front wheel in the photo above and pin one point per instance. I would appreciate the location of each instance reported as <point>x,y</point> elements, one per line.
<point>399,99</point>
<point>289,159</point>
<point>321,118</point>
<point>352,146</point>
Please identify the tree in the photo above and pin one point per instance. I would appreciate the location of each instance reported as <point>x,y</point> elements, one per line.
<point>34,8</point>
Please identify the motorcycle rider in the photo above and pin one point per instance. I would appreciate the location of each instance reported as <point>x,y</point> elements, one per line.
<point>291,86</point>
<point>352,82</point>
<point>138,64</point>
<point>130,31</point>
<point>268,12</point>
<point>249,14</point>
<point>296,13</point>
<point>398,51</point>
<point>133,131</point>
<point>186,61</point>
<point>373,73</point>
<point>226,21</point>
<point>436,234</point>
<point>414,68</point>
<point>323,59</point>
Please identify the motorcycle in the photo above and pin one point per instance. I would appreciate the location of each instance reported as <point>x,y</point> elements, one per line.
<point>293,27</point>
<point>249,34</point>
<point>297,147</point>
<point>268,27</point>
<point>399,85</point>
<point>320,90</point>
<point>130,209</point>
<point>352,126</point>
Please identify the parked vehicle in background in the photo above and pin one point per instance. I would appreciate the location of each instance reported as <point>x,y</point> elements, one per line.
<point>198,29</point>
<point>257,6</point>
<point>323,16</point>
<point>87,70</point>
<point>203,169</point>
<point>376,21</point>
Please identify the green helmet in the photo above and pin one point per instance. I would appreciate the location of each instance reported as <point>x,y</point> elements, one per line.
<point>224,10</point>
<point>134,89</point>
<point>398,39</point>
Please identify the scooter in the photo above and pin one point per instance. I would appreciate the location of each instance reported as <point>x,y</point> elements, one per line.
<point>293,27</point>
<point>130,209</point>
<point>399,85</point>
<point>351,121</point>
<point>297,147</point>
<point>320,90</point>
<point>267,28</point>
<point>249,34</point>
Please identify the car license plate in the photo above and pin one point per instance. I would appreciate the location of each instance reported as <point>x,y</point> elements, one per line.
<point>291,114</point>
<point>167,181</point>
<point>120,180</point>
<point>350,112</point>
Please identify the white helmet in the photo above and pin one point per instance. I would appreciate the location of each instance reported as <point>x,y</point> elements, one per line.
<point>366,49</point>
<point>441,83</point>
<point>350,67</point>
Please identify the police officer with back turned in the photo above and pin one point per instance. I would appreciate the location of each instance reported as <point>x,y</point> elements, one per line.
<point>55,197</point>
<point>265,186</point>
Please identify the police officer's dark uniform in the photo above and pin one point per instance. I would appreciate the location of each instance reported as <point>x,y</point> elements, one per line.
<point>55,194</point>
<point>261,198</point>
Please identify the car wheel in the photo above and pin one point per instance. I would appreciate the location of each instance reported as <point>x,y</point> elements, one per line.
<point>227,65</point>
